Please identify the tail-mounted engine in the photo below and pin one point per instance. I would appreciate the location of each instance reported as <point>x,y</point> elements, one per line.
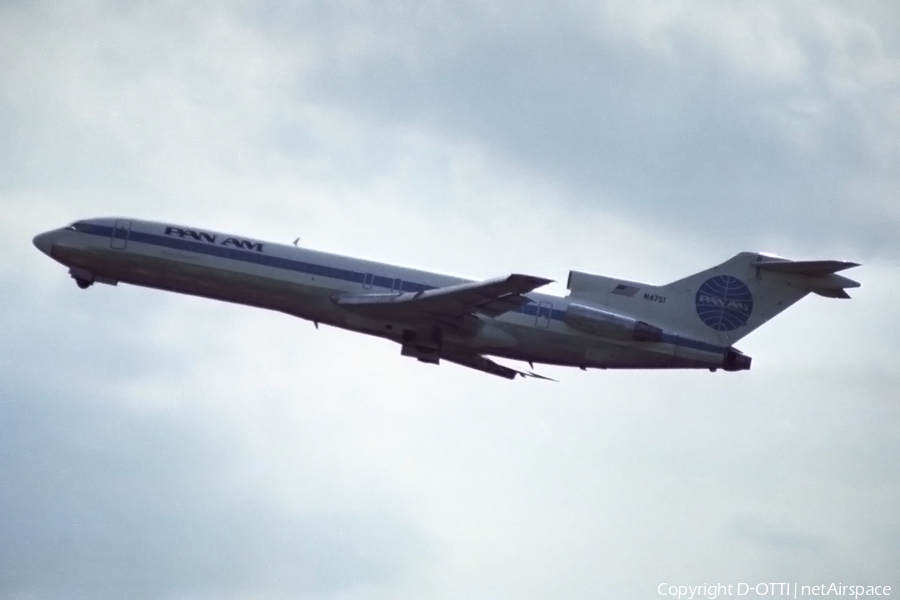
<point>610,325</point>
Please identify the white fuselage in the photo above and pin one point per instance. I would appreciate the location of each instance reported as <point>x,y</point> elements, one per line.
<point>303,283</point>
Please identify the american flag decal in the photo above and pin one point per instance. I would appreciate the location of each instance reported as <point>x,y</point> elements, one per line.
<point>625,290</point>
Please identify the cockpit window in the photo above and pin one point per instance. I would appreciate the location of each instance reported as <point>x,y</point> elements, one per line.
<point>77,226</point>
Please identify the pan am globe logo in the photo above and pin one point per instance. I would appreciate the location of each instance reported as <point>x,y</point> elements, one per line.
<point>724,302</point>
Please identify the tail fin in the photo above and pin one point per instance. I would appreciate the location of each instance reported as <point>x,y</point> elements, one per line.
<point>733,299</point>
<point>723,304</point>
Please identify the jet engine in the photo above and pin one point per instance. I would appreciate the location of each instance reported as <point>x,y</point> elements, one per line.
<point>611,325</point>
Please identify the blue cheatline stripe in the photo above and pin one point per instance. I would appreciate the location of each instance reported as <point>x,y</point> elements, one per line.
<point>299,266</point>
<point>677,340</point>
<point>255,258</point>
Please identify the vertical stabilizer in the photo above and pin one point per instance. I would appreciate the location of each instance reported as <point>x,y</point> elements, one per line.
<point>719,305</point>
<point>725,303</point>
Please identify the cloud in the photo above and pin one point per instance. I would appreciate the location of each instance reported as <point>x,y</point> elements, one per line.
<point>617,122</point>
<point>164,446</point>
<point>100,502</point>
<point>127,470</point>
<point>751,41</point>
<point>772,121</point>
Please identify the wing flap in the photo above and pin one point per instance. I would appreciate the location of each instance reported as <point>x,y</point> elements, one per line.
<point>486,365</point>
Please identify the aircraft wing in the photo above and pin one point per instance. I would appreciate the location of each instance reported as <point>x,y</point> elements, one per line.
<point>492,298</point>
<point>480,363</point>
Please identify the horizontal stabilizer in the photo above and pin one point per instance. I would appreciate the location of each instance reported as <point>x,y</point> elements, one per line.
<point>805,267</point>
<point>816,276</point>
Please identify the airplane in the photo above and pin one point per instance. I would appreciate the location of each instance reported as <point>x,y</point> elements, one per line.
<point>603,322</point>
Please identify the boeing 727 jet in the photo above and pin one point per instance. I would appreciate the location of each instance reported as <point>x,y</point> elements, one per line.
<point>603,323</point>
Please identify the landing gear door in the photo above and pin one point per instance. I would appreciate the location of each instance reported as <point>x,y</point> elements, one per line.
<point>545,309</point>
<point>120,233</point>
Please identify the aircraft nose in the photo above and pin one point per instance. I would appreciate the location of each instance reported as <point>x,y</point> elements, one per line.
<point>44,242</point>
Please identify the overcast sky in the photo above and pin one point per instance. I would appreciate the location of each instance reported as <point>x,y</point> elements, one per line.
<point>166,447</point>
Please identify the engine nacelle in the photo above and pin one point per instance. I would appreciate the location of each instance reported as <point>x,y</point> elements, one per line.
<point>735,360</point>
<point>611,325</point>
